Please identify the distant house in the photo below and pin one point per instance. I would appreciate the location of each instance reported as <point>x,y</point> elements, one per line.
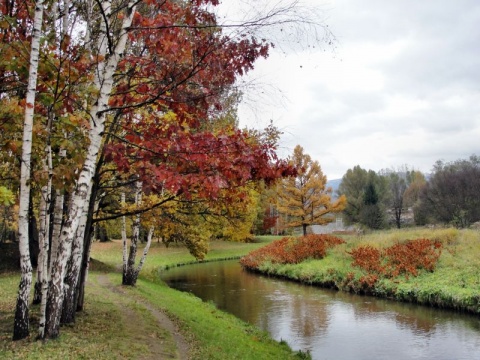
<point>332,227</point>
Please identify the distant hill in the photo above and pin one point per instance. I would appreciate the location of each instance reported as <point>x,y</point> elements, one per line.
<point>334,184</point>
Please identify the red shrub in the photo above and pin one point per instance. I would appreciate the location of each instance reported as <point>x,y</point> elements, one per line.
<point>291,250</point>
<point>402,258</point>
<point>408,257</point>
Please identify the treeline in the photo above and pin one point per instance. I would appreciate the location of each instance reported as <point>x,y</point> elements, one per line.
<point>398,197</point>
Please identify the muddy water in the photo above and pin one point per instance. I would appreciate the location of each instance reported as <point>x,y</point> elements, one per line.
<point>331,324</point>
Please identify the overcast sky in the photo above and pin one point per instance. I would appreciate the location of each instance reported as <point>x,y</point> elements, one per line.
<point>401,86</point>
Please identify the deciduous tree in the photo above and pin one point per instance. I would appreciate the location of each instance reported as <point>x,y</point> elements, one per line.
<point>366,194</point>
<point>133,92</point>
<point>304,197</point>
<point>21,323</point>
<point>452,194</point>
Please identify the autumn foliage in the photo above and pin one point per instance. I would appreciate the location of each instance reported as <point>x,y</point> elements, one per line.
<point>290,250</point>
<point>400,259</point>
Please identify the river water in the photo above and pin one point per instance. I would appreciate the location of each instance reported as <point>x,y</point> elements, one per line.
<point>332,324</point>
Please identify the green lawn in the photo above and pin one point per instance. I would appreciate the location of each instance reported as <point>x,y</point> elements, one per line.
<point>120,327</point>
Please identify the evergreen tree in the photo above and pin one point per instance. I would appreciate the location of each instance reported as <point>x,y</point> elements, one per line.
<point>371,214</point>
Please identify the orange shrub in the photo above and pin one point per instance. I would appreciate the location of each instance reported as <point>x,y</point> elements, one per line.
<point>402,258</point>
<point>289,250</point>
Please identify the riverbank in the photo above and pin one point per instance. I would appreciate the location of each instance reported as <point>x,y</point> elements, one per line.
<point>454,283</point>
<point>125,323</point>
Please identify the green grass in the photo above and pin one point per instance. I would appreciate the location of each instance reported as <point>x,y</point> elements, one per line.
<point>109,254</point>
<point>216,334</point>
<point>117,326</point>
<point>455,283</point>
<point>98,330</point>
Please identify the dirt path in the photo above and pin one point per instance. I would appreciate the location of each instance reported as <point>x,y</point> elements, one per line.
<point>148,325</point>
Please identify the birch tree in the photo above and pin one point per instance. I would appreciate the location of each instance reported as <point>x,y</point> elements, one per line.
<point>21,323</point>
<point>110,56</point>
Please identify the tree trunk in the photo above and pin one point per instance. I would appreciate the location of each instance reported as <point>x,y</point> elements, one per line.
<point>41,285</point>
<point>33,236</point>
<point>87,242</point>
<point>145,252</point>
<point>42,268</point>
<point>73,274</point>
<point>129,276</point>
<point>104,82</point>
<point>21,328</point>
<point>71,224</point>
<point>57,225</point>
<point>124,242</point>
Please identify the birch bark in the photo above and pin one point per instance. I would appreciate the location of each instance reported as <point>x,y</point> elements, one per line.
<point>42,267</point>
<point>129,277</point>
<point>145,252</point>
<point>57,225</point>
<point>104,82</point>
<point>74,265</point>
<point>21,327</point>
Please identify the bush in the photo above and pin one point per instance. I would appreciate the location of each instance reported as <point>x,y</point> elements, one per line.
<point>290,250</point>
<point>401,258</point>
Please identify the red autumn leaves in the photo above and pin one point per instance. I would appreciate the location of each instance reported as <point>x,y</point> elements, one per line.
<point>402,258</point>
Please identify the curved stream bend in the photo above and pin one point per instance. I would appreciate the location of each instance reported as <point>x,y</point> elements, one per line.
<point>331,324</point>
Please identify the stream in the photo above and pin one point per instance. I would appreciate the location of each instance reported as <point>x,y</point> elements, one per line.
<point>331,324</point>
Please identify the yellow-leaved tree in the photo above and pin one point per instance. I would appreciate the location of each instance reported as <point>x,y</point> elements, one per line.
<point>305,199</point>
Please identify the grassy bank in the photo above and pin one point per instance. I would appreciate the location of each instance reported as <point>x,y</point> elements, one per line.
<point>120,327</point>
<point>454,283</point>
<point>160,257</point>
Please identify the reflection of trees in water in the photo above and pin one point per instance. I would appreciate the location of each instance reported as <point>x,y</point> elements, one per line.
<point>310,316</point>
<point>417,318</point>
<point>290,313</point>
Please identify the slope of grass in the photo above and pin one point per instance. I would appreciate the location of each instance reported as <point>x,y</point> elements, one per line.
<point>455,282</point>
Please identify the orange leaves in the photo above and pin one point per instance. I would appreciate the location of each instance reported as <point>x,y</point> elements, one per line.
<point>402,258</point>
<point>289,250</point>
<point>367,257</point>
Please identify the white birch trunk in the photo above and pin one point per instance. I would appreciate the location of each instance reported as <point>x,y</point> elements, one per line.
<point>129,276</point>
<point>104,81</point>
<point>57,225</point>
<point>145,252</point>
<point>42,268</point>
<point>21,324</point>
<point>124,239</point>
<point>44,222</point>
<point>74,266</point>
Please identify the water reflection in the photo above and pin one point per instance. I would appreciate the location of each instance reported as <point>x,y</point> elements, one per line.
<point>330,324</point>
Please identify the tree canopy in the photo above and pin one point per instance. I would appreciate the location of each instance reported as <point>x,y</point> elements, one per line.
<point>452,194</point>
